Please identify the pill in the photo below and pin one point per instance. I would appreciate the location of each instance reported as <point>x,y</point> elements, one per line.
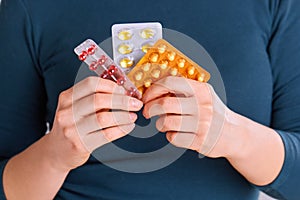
<point>125,35</point>
<point>146,67</point>
<point>146,47</point>
<point>155,73</point>
<point>139,76</point>
<point>163,64</point>
<point>153,57</point>
<point>162,48</point>
<point>171,55</point>
<point>126,62</point>
<point>147,83</point>
<point>181,63</point>
<point>174,71</point>
<point>191,70</point>
<point>201,77</point>
<point>125,49</point>
<point>147,33</point>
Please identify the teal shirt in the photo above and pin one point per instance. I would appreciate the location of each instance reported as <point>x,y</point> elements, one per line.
<point>255,44</point>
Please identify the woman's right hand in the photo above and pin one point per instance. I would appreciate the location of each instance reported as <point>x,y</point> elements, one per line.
<point>84,120</point>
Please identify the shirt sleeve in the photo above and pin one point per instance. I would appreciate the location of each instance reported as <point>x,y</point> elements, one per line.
<point>284,53</point>
<point>23,99</point>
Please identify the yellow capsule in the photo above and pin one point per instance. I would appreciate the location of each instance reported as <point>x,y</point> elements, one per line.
<point>125,35</point>
<point>126,62</point>
<point>146,67</point>
<point>155,73</point>
<point>125,49</point>
<point>163,64</point>
<point>147,83</point>
<point>191,70</point>
<point>147,33</point>
<point>154,57</point>
<point>146,47</point>
<point>201,77</point>
<point>162,48</point>
<point>181,63</point>
<point>138,76</point>
<point>174,71</point>
<point>171,56</point>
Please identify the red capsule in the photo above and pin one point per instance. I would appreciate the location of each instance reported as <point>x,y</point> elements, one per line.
<point>93,66</point>
<point>121,80</point>
<point>105,75</point>
<point>102,60</point>
<point>131,92</point>
<point>91,50</point>
<point>83,56</point>
<point>112,70</point>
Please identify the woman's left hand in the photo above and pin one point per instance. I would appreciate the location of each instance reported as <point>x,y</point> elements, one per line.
<point>193,115</point>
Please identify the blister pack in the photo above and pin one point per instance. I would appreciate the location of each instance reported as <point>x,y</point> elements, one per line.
<point>132,41</point>
<point>99,62</point>
<point>164,60</point>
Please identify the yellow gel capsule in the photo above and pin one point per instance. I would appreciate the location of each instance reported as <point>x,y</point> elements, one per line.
<point>138,76</point>
<point>174,71</point>
<point>162,48</point>
<point>146,67</point>
<point>171,56</point>
<point>155,73</point>
<point>191,70</point>
<point>163,64</point>
<point>147,33</point>
<point>201,77</point>
<point>125,35</point>
<point>125,49</point>
<point>146,47</point>
<point>147,83</point>
<point>181,63</point>
<point>153,57</point>
<point>126,62</point>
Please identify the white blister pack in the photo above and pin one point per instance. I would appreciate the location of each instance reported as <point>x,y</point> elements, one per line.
<point>131,42</point>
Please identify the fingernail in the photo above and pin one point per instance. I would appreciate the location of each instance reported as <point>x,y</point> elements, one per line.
<point>132,116</point>
<point>135,103</point>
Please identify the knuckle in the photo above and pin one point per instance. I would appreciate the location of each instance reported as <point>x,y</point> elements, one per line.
<point>62,117</point>
<point>63,95</point>
<point>68,133</point>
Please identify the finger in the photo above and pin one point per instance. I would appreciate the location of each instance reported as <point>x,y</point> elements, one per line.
<point>170,105</point>
<point>94,103</point>
<point>170,84</point>
<point>99,138</point>
<point>181,123</point>
<point>90,86</point>
<point>102,120</point>
<point>184,140</point>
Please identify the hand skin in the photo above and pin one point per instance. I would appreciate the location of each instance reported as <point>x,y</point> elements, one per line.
<point>82,123</point>
<point>198,120</point>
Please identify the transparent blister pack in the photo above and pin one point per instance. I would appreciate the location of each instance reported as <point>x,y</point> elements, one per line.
<point>131,42</point>
<point>99,62</point>
<point>164,60</point>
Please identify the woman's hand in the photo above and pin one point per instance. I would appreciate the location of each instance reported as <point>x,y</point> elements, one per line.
<point>193,116</point>
<point>84,122</point>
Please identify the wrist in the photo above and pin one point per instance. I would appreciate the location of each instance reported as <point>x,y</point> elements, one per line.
<point>235,135</point>
<point>51,155</point>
